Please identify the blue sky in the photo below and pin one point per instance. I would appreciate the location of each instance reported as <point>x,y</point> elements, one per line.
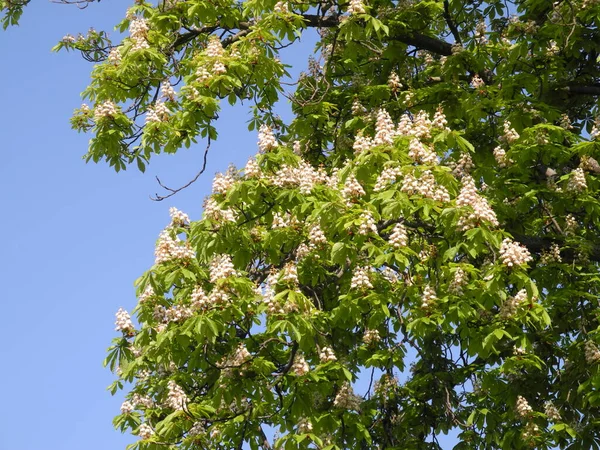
<point>77,235</point>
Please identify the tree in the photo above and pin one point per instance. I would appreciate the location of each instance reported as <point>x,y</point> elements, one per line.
<point>430,217</point>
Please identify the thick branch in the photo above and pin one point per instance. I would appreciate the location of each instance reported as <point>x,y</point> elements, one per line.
<point>583,90</point>
<point>538,244</point>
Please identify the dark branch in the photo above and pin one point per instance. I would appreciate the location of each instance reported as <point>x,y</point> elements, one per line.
<point>172,192</point>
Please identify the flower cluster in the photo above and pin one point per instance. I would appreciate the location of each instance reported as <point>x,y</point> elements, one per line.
<point>551,256</point>
<point>428,297</point>
<point>387,177</point>
<point>145,431</point>
<point>147,294</point>
<point>523,409</point>
<point>356,7</point>
<point>384,128</point>
<point>252,169</point>
<point>114,56</point>
<point>300,366</point>
<point>458,282</point>
<point>304,177</point>
<point>178,313</point>
<point>326,355</point>
<point>316,236</point>
<point>123,322</point>
<point>352,188</point>
<point>592,354</point>
<point>477,82</point>
<point>463,166</point>
<point>514,254</point>
<point>577,182</point>
<point>221,267</point>
<point>290,273</point>
<point>304,426</point>
<point>399,238</point>
<point>104,110</point>
<point>167,92</point>
<point>510,135</point>
<point>552,412</point>
<point>223,182</point>
<point>346,398</point>
<point>500,157</point>
<point>511,305</point>
<point>176,397</point>
<point>421,154</point>
<point>126,407</point>
<point>371,337</point>
<point>138,30</point>
<point>358,108</point>
<point>178,218</point>
<point>199,299</point>
<point>142,400</point>
<point>367,224</point>
<point>266,139</point>
<point>480,208</point>
<point>360,279</point>
<point>214,212</point>
<point>394,82</point>
<point>157,113</point>
<point>169,248</point>
<point>425,186</point>
<point>570,223</point>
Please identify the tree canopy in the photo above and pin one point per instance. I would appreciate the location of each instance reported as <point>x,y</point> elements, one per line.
<point>427,221</point>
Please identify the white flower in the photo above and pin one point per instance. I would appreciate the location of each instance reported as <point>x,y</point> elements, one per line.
<point>394,82</point>
<point>157,113</point>
<point>511,305</point>
<point>326,355</point>
<point>421,154</point>
<point>123,322</point>
<point>523,408</point>
<point>388,176</point>
<point>214,49</point>
<point>176,397</point>
<point>510,134</point>
<point>290,273</point>
<point>304,426</point>
<point>480,210</point>
<point>223,182</point>
<point>145,431</point>
<point>266,139</point>
<point>169,248</point>
<point>105,109</point>
<point>252,169</point>
<point>367,224</point>
<point>592,354</point>
<point>346,398</point>
<point>428,297</point>
<point>300,366</point>
<point>178,218</point>
<point>459,280</point>
<point>514,254</point>
<point>199,299</point>
<point>371,337</point>
<point>352,188</point>
<point>221,267</point>
<point>552,412</point>
<point>114,56</point>
<point>384,128</point>
<point>316,236</point>
<point>577,182</point>
<point>126,407</point>
<point>477,82</point>
<point>356,7</point>
<point>167,91</point>
<point>360,279</point>
<point>500,157</point>
<point>399,238</point>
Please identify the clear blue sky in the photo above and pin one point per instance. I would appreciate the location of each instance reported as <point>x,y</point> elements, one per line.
<point>76,235</point>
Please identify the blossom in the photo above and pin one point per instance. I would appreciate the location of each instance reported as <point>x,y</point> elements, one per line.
<point>552,255</point>
<point>169,248</point>
<point>428,297</point>
<point>105,109</point>
<point>387,177</point>
<point>178,218</point>
<point>266,139</point>
<point>480,210</point>
<point>577,182</point>
<point>592,354</point>
<point>371,337</point>
<point>252,169</point>
<point>145,432</point>
<point>523,408</point>
<point>316,236</point>
<point>425,186</point>
<point>176,397</point>
<point>223,182</point>
<point>138,30</point>
<point>356,7</point>
<point>394,82</point>
<point>346,398</point>
<point>360,279</point>
<point>510,135</point>
<point>421,154</point>
<point>290,273</point>
<point>147,294</point>
<point>167,91</point>
<point>399,238</point>
<point>500,157</point>
<point>199,298</point>
<point>300,366</point>
<point>352,188</point>
<point>514,254</point>
<point>304,426</point>
<point>552,412</point>
<point>221,267</point>
<point>327,355</point>
<point>510,306</point>
<point>114,56</point>
<point>367,224</point>
<point>457,283</point>
<point>157,113</point>
<point>123,322</point>
<point>214,49</point>
<point>477,82</point>
<point>126,407</point>
<point>384,128</point>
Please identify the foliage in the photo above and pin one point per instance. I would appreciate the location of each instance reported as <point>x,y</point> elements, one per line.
<point>429,218</point>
